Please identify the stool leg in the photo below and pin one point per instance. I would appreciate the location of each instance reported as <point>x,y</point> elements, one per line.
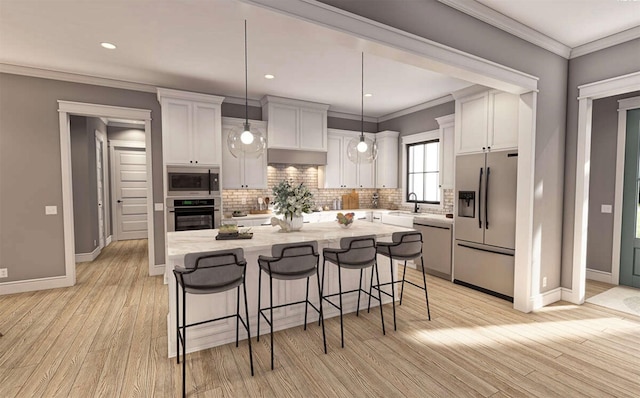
<point>184,343</point>
<point>393,293</point>
<point>426,295</point>
<point>403,274</point>
<point>306,305</point>
<point>321,315</point>
<point>259,309</point>
<point>370,286</point>
<point>237,315</point>
<point>271,314</point>
<point>379,295</point>
<point>359,290</point>
<point>246,314</point>
<point>321,287</point>
<point>177,323</point>
<point>340,295</point>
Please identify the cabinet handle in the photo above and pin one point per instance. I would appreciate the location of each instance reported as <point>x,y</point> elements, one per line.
<point>376,218</point>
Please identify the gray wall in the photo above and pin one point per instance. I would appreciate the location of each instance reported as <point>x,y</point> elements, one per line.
<point>125,134</point>
<point>604,64</point>
<point>440,23</point>
<point>350,124</point>
<point>235,110</point>
<point>604,136</point>
<point>418,122</point>
<point>30,137</point>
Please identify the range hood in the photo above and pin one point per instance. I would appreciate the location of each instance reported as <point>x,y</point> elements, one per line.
<point>290,156</point>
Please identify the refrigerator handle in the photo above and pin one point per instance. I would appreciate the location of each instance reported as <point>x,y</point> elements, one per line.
<point>486,200</point>
<point>480,199</point>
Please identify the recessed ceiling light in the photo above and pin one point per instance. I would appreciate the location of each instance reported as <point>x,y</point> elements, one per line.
<point>368,95</point>
<point>108,46</point>
<point>269,77</point>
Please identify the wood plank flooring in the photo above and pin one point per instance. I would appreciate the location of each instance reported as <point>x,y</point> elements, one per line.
<point>106,337</point>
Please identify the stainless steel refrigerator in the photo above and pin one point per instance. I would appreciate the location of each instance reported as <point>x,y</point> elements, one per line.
<point>485,221</point>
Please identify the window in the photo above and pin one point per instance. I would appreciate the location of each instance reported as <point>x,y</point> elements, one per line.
<point>423,171</point>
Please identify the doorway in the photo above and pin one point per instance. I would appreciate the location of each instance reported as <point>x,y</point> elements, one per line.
<point>129,193</point>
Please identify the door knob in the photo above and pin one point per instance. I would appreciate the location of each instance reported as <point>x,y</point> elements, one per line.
<point>119,201</point>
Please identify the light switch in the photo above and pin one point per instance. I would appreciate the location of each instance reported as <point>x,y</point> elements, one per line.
<point>606,208</point>
<point>158,206</point>
<point>50,210</point>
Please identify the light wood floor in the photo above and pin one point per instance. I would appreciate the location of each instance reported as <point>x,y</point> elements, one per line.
<point>106,337</point>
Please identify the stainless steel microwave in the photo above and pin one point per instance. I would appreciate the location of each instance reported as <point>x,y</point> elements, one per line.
<point>193,181</point>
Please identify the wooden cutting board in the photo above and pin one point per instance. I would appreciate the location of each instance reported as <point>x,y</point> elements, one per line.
<point>351,201</point>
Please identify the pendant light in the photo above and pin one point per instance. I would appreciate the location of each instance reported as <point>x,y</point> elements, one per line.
<point>362,149</point>
<point>246,143</point>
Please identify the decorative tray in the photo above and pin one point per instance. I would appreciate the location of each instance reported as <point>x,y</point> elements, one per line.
<point>246,235</point>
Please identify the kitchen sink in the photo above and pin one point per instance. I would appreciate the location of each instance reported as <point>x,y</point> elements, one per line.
<point>399,218</point>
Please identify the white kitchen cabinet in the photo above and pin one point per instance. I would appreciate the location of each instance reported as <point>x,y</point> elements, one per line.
<point>340,172</point>
<point>242,173</point>
<point>295,124</point>
<point>447,154</point>
<point>191,128</point>
<point>387,160</point>
<point>486,121</point>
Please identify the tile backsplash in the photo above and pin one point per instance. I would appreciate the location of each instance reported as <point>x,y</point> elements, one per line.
<point>388,198</point>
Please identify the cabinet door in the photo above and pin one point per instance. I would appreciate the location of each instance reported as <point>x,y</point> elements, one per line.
<point>503,121</point>
<point>446,166</point>
<point>471,123</point>
<point>313,130</point>
<point>366,175</point>
<point>206,143</point>
<point>255,172</point>
<point>387,163</point>
<point>349,169</point>
<point>231,166</point>
<point>176,128</point>
<point>283,126</point>
<point>333,170</point>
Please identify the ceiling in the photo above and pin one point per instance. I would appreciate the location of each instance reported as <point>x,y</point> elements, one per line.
<point>198,46</point>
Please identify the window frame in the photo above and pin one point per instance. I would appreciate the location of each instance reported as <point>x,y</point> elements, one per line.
<point>408,140</point>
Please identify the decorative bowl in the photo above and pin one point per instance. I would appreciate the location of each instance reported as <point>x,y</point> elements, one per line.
<point>345,220</point>
<point>345,226</point>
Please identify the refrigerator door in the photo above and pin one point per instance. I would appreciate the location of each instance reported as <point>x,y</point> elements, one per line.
<point>469,221</point>
<point>499,199</point>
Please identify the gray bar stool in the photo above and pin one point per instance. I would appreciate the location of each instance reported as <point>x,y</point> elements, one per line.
<point>354,253</point>
<point>207,273</point>
<point>404,246</point>
<point>290,262</point>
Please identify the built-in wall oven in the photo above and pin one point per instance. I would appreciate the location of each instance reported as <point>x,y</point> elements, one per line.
<point>189,182</point>
<point>193,214</point>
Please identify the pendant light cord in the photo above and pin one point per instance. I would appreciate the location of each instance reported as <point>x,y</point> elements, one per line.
<point>246,77</point>
<point>362,98</point>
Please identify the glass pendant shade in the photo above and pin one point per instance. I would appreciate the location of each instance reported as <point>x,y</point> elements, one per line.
<point>240,145</point>
<point>368,155</point>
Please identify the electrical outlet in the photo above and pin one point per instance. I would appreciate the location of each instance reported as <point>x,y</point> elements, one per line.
<point>243,201</point>
<point>544,281</point>
<point>4,273</point>
<point>95,243</point>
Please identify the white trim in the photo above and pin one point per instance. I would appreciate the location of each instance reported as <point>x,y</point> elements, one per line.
<point>350,116</point>
<point>509,25</point>
<point>158,269</point>
<point>600,276</point>
<point>610,87</point>
<point>412,139</point>
<point>396,44</point>
<point>418,137</point>
<point>127,144</point>
<point>102,137</point>
<point>628,103</point>
<point>189,96</point>
<point>241,101</point>
<point>293,102</point>
<point>66,108</point>
<point>30,285</point>
<point>526,286</point>
<point>416,108</point>
<point>587,93</point>
<point>84,257</point>
<point>135,126</point>
<point>469,91</point>
<point>446,121</point>
<point>543,299</point>
<point>605,42</point>
<point>567,295</point>
<point>75,78</point>
<point>108,240</point>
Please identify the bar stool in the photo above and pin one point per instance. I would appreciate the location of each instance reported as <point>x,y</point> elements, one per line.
<point>207,273</point>
<point>354,253</point>
<point>290,262</point>
<point>405,246</point>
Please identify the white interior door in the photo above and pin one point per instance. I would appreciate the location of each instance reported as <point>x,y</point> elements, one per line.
<point>101,192</point>
<point>130,189</point>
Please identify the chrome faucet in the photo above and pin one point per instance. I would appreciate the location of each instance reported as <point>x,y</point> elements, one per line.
<point>415,201</point>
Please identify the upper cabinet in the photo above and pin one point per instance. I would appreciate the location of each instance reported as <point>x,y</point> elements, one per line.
<point>340,172</point>
<point>387,160</point>
<point>294,124</point>
<point>486,121</point>
<point>447,155</point>
<point>242,172</point>
<point>191,127</point>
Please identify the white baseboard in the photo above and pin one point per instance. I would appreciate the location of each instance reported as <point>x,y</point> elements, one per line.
<point>571,296</point>
<point>108,240</point>
<point>599,276</point>
<point>157,269</point>
<point>84,257</point>
<point>543,299</point>
<point>35,284</point>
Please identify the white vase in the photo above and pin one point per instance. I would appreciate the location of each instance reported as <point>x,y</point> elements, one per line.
<point>294,224</point>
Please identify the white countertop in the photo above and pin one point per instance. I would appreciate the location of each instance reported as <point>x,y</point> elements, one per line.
<point>269,215</point>
<point>181,243</point>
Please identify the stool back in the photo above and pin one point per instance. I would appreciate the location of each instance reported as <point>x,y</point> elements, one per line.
<point>294,258</point>
<point>360,250</point>
<point>214,271</point>
<point>409,245</point>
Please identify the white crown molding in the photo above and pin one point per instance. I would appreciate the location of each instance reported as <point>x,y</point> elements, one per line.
<point>351,116</point>
<point>240,101</point>
<point>609,41</point>
<point>416,108</point>
<point>509,25</point>
<point>188,96</point>
<point>75,78</point>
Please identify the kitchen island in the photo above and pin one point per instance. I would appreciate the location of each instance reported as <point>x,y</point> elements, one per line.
<point>202,307</point>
